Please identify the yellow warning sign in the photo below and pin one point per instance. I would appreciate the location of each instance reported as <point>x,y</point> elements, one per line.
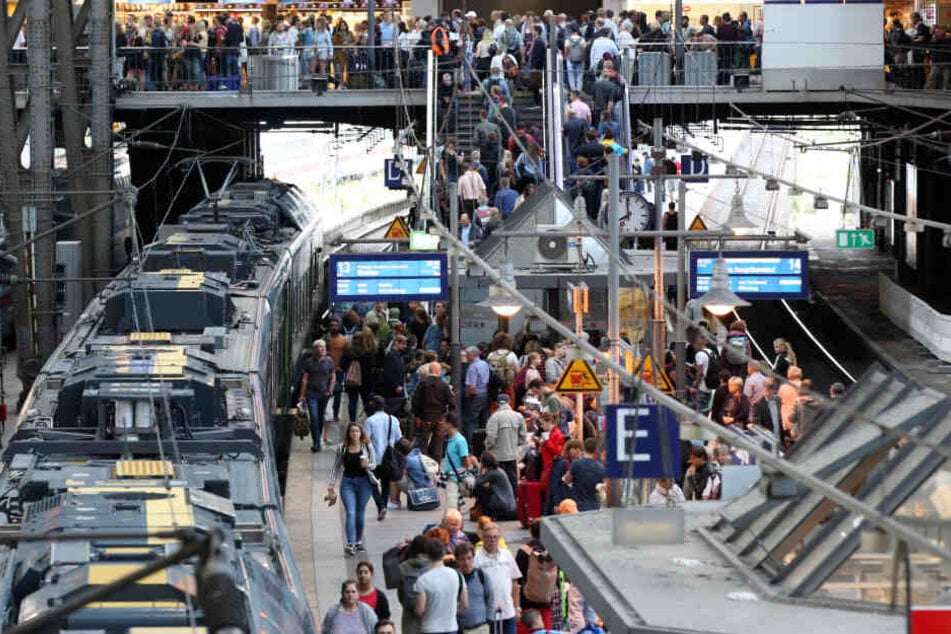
<point>655,375</point>
<point>398,230</point>
<point>578,378</point>
<point>421,168</point>
<point>697,224</point>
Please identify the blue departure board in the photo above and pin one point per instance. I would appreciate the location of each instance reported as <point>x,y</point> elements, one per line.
<point>754,274</point>
<point>382,277</point>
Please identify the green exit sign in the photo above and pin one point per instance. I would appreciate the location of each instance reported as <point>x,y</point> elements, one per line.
<point>855,239</point>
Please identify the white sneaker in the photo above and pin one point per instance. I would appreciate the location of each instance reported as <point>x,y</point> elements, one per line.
<point>392,506</point>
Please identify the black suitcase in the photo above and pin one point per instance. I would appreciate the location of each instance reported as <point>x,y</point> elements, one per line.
<point>477,443</point>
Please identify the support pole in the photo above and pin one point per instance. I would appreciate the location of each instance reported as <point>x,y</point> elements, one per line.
<point>455,303</point>
<point>429,191</point>
<point>371,40</point>
<point>39,54</point>
<point>12,202</point>
<point>101,45</point>
<point>680,350</point>
<point>679,42</point>
<point>74,132</point>
<point>657,332</point>
<point>614,277</point>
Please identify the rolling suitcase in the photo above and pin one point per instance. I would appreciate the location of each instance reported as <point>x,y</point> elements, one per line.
<point>653,69</point>
<point>529,502</point>
<point>700,68</point>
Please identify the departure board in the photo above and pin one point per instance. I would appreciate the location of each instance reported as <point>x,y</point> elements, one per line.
<point>754,274</point>
<point>382,277</point>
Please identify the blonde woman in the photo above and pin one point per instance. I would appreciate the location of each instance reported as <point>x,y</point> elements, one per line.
<point>785,357</point>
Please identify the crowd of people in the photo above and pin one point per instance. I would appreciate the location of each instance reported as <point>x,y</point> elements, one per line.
<point>918,55</point>
<point>516,448</point>
<point>166,51</point>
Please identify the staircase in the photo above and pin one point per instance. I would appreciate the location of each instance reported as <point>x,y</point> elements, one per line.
<point>467,115</point>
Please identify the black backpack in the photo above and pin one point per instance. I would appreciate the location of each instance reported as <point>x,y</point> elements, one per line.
<point>712,378</point>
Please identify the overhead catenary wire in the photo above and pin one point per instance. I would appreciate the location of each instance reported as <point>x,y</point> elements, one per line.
<point>585,227</point>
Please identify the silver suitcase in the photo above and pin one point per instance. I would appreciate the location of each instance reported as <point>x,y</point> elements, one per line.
<point>653,69</point>
<point>700,68</point>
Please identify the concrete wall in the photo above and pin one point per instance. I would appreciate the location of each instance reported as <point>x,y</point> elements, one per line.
<point>822,46</point>
<point>931,328</point>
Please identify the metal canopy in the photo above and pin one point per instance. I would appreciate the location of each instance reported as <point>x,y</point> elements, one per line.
<point>795,544</point>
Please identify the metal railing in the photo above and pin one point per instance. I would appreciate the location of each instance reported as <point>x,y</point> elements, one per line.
<point>283,68</point>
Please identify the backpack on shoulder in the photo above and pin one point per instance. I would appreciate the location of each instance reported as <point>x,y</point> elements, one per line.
<point>712,378</point>
<point>541,576</point>
<point>735,349</point>
<point>576,49</point>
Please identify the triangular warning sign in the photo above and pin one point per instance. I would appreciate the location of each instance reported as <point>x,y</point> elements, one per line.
<point>655,375</point>
<point>398,230</point>
<point>421,168</point>
<point>697,224</point>
<point>578,378</point>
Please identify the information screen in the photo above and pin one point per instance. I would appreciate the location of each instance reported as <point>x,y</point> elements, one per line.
<point>380,277</point>
<point>754,274</point>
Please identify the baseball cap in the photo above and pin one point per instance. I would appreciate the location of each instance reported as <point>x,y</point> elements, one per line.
<point>503,399</point>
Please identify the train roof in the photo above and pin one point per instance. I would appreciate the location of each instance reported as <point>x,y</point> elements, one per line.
<point>138,498</point>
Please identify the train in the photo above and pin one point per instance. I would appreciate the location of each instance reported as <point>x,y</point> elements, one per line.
<point>167,407</point>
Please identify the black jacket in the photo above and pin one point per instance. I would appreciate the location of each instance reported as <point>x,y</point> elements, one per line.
<point>393,371</point>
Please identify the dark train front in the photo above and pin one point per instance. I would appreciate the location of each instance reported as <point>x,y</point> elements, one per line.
<point>155,414</point>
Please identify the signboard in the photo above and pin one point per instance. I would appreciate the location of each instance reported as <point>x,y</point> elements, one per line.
<point>930,619</point>
<point>697,224</point>
<point>393,172</point>
<point>640,444</point>
<point>423,241</point>
<point>695,164</point>
<point>855,239</point>
<point>382,277</point>
<point>754,274</point>
<point>654,374</point>
<point>398,230</point>
<point>578,378</point>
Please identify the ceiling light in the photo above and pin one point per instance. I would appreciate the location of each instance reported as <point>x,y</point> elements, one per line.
<point>772,185</point>
<point>499,300</point>
<point>720,300</point>
<point>821,202</point>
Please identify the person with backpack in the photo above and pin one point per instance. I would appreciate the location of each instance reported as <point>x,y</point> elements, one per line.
<point>384,432</point>
<point>412,567</point>
<point>440,593</point>
<point>503,365</point>
<point>538,577</point>
<point>702,480</point>
<point>706,367</point>
<point>574,55</point>
<point>737,350</point>
<point>499,566</point>
<point>477,616</point>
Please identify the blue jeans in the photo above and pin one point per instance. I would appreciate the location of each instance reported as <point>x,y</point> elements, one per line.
<point>508,626</point>
<point>575,75</point>
<point>230,65</point>
<point>317,406</point>
<point>476,414</point>
<point>355,493</point>
<point>338,392</point>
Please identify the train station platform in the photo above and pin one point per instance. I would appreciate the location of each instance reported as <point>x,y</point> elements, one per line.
<point>317,531</point>
<point>847,281</point>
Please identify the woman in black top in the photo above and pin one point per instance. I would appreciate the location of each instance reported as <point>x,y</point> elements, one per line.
<point>357,460</point>
<point>493,490</point>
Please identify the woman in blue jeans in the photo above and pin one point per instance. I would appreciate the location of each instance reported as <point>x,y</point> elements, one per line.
<point>357,460</point>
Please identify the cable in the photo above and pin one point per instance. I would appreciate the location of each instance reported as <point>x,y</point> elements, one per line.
<point>584,224</point>
<point>816,341</point>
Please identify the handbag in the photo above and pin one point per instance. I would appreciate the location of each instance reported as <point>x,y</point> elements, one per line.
<point>390,467</point>
<point>422,499</point>
<point>467,479</point>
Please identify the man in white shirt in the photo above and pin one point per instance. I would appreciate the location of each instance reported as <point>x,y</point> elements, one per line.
<point>383,430</point>
<point>602,44</point>
<point>440,592</point>
<point>471,187</point>
<point>500,567</point>
<point>755,381</point>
